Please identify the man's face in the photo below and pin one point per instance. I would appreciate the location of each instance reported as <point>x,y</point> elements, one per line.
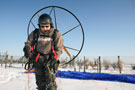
<point>45,27</point>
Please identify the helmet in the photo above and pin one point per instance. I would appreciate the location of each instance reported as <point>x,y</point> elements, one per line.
<point>45,19</point>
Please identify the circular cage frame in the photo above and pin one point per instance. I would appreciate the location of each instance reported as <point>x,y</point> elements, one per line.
<point>30,22</point>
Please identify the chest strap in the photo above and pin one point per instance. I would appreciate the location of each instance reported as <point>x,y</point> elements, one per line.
<point>35,38</point>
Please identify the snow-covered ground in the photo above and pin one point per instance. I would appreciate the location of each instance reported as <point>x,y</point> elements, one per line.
<point>13,78</point>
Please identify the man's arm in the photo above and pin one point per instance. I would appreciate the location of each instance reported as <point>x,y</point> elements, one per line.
<point>27,46</point>
<point>59,45</point>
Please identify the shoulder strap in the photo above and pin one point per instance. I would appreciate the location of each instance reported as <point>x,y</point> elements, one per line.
<point>35,37</point>
<point>54,36</point>
<point>53,44</point>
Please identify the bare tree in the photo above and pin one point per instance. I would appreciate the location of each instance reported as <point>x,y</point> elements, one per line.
<point>93,64</point>
<point>11,61</point>
<point>106,64</point>
<point>114,65</point>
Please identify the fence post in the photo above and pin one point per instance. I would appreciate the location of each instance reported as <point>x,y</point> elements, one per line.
<point>99,64</point>
<point>70,64</point>
<point>22,61</point>
<point>80,65</point>
<point>119,65</point>
<point>11,61</point>
<point>6,59</point>
<point>74,65</point>
<point>1,59</point>
<point>84,65</point>
<point>66,61</point>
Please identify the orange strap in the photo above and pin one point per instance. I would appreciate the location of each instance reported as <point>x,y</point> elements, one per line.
<point>55,55</point>
<point>32,47</point>
<point>37,57</point>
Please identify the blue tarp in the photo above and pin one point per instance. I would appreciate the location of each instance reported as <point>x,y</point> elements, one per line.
<point>128,78</point>
<point>96,76</point>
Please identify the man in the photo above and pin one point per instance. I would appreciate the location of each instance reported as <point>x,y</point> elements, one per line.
<point>48,46</point>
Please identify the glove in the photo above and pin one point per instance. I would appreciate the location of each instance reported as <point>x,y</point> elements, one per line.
<point>54,65</point>
<point>26,50</point>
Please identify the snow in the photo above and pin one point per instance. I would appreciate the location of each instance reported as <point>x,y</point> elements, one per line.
<point>13,78</point>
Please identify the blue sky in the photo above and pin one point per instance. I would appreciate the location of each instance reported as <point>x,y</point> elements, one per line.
<point>109,25</point>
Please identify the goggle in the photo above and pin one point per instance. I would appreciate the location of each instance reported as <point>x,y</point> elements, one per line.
<point>46,26</point>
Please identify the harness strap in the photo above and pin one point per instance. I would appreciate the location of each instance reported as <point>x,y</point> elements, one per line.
<point>32,47</point>
<point>53,45</point>
<point>37,57</point>
<point>34,44</point>
<point>55,55</point>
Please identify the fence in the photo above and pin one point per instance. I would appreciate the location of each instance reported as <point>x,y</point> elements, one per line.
<point>100,64</point>
<point>104,64</point>
<point>7,60</point>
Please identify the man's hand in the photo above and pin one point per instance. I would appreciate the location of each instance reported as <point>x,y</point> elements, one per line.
<point>26,50</point>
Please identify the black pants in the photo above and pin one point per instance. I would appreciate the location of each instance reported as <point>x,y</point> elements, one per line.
<point>45,79</point>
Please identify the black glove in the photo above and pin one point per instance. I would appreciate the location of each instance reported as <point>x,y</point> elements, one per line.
<point>26,50</point>
<point>54,65</point>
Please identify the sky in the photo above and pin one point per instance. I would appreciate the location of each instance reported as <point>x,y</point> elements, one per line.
<point>109,25</point>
